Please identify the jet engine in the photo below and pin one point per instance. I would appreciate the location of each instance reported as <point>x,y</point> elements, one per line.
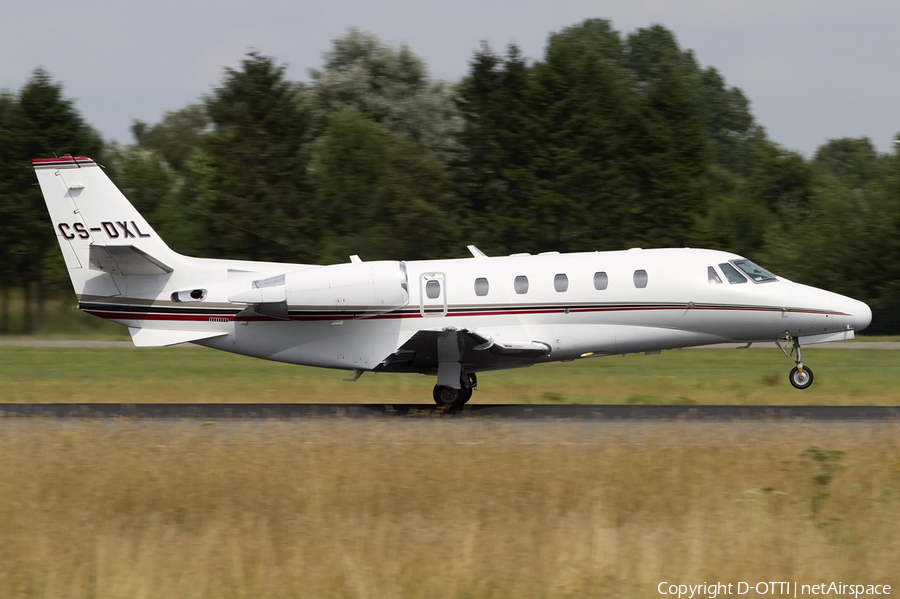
<point>370,286</point>
<point>373,287</point>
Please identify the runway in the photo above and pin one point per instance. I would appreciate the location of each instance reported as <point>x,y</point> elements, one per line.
<point>584,413</point>
<point>97,344</point>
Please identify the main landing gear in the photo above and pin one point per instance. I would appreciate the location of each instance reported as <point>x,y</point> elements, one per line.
<point>801,376</point>
<point>445,395</point>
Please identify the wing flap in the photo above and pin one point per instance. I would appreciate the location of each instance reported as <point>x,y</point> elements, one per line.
<point>164,337</point>
<point>517,349</point>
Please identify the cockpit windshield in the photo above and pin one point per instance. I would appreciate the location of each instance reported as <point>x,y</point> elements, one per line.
<point>757,274</point>
<point>731,273</point>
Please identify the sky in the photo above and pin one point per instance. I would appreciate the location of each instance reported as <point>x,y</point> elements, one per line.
<point>813,70</point>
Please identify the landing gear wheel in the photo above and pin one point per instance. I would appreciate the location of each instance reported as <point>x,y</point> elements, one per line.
<point>801,380</point>
<point>468,383</point>
<point>445,395</point>
<point>465,394</point>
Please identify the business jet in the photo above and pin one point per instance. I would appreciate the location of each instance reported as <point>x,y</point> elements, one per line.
<point>451,319</point>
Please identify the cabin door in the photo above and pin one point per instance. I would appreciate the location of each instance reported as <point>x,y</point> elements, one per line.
<point>433,294</point>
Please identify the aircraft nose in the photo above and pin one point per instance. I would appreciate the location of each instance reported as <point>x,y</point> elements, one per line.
<point>862,315</point>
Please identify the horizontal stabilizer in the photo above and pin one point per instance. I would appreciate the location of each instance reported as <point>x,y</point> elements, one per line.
<point>163,337</point>
<point>125,260</point>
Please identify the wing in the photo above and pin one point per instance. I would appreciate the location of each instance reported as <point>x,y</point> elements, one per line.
<point>428,348</point>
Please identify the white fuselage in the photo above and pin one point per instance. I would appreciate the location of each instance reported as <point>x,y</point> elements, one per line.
<point>449,318</point>
<point>678,307</point>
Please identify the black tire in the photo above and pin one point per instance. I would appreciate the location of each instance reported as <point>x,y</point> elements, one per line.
<point>801,380</point>
<point>465,394</point>
<point>446,396</point>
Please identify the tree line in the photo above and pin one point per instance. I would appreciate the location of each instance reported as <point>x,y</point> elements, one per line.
<point>608,141</point>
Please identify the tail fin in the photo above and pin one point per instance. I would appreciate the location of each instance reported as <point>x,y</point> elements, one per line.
<point>101,235</point>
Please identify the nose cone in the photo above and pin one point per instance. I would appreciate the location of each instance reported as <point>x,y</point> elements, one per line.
<point>862,315</point>
<point>853,314</point>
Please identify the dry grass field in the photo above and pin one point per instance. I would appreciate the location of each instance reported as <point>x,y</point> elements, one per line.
<point>434,509</point>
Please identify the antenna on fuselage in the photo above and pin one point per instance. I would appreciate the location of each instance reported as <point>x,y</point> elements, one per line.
<point>476,253</point>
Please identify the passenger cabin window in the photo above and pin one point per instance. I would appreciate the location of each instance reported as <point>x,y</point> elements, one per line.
<point>481,286</point>
<point>757,274</point>
<point>732,274</point>
<point>561,282</point>
<point>433,289</point>
<point>601,281</point>
<point>521,284</point>
<point>640,279</point>
<point>713,276</point>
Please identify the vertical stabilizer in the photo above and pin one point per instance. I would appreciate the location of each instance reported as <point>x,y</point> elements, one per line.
<point>102,236</point>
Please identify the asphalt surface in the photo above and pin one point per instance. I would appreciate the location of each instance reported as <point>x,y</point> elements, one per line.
<point>78,343</point>
<point>597,413</point>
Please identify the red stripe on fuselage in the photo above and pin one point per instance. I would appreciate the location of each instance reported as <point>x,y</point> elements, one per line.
<point>149,316</point>
<point>111,315</point>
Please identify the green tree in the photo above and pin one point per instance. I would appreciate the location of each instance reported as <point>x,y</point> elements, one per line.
<point>733,219</point>
<point>417,215</point>
<point>351,161</point>
<point>144,178</point>
<point>729,125</point>
<point>176,136</point>
<point>853,161</point>
<point>591,196</point>
<point>389,86</point>
<point>602,144</point>
<point>161,194</point>
<point>671,147</point>
<point>883,257</point>
<point>381,196</point>
<point>495,166</point>
<point>851,234</point>
<point>782,181</point>
<point>257,158</point>
<point>12,206</point>
<point>37,122</point>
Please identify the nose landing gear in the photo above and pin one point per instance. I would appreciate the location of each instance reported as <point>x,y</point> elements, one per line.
<point>801,376</point>
<point>801,379</point>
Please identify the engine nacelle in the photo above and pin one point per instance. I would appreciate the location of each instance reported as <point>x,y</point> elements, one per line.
<point>357,286</point>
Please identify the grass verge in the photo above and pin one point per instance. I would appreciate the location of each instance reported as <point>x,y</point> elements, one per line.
<point>191,374</point>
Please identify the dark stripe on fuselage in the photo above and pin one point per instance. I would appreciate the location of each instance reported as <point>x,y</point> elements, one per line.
<point>192,313</point>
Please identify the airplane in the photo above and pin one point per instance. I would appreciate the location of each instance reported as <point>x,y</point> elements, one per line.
<point>452,318</point>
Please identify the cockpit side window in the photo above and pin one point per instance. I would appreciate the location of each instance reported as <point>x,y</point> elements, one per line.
<point>732,274</point>
<point>713,276</point>
<point>757,274</point>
